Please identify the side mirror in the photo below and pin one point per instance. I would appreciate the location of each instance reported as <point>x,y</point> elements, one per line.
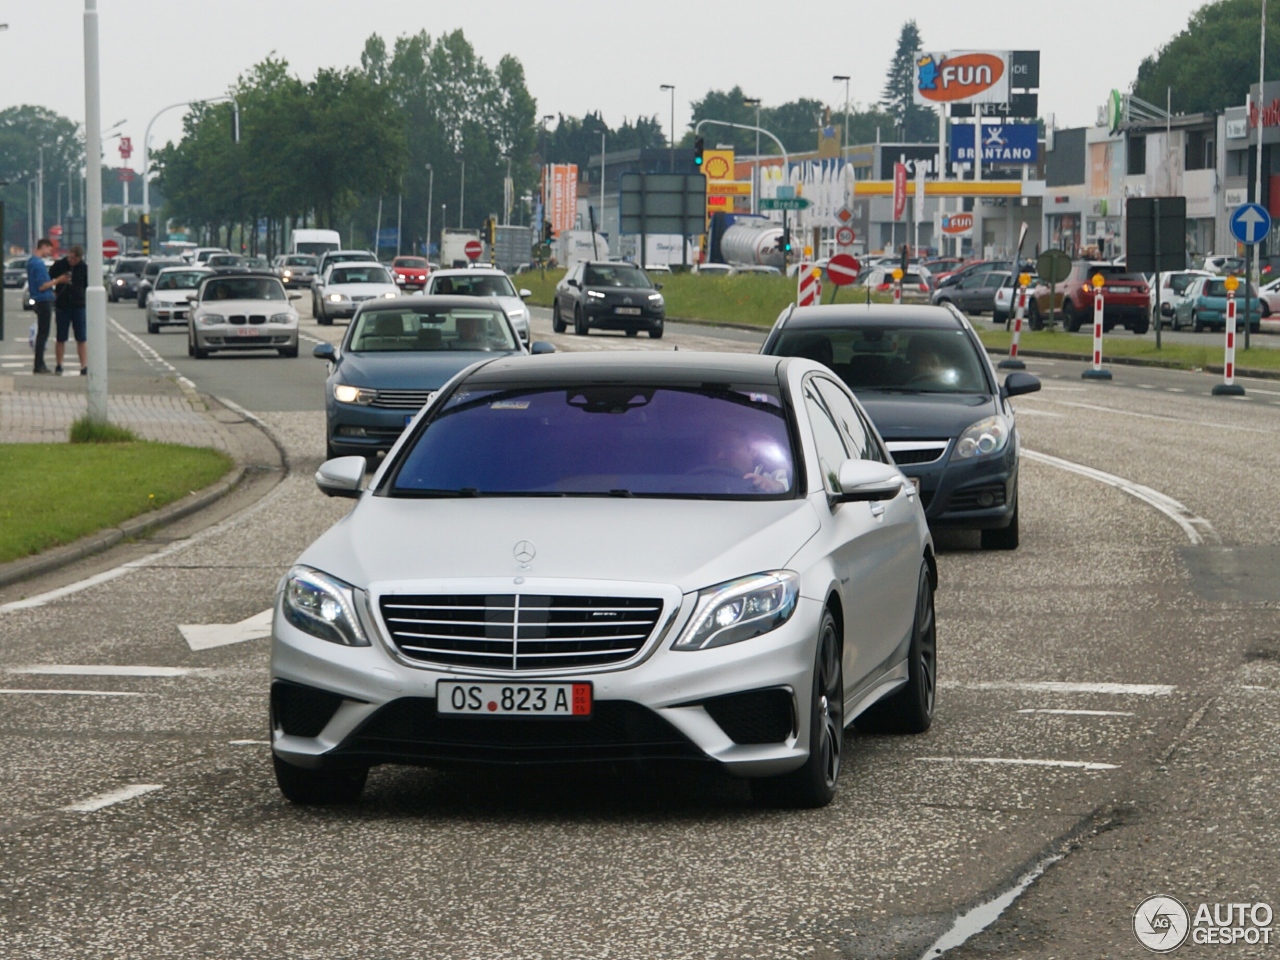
<point>192,298</point>
<point>341,477</point>
<point>1016,384</point>
<point>325,351</point>
<point>861,480</point>
<point>295,296</point>
<point>657,286</point>
<point>541,346</point>
<point>525,294</point>
<point>571,282</point>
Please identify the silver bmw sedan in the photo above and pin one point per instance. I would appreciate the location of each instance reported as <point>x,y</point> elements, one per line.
<point>597,557</point>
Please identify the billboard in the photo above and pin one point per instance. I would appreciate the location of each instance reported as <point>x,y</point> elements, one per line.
<point>956,224</point>
<point>560,189</point>
<point>961,76</point>
<point>1011,144</point>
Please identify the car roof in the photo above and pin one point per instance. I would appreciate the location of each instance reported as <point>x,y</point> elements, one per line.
<point>224,272</point>
<point>435,301</point>
<point>872,314</point>
<point>462,272</point>
<point>345,264</point>
<point>630,367</point>
<point>189,268</point>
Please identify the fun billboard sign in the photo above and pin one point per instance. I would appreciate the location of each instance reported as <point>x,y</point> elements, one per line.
<point>957,224</point>
<point>961,76</point>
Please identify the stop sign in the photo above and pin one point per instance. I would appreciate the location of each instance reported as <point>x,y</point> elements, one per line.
<point>110,248</point>
<point>842,269</point>
<point>55,231</point>
<point>473,249</point>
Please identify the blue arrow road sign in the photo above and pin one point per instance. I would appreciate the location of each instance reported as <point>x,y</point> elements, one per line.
<point>1250,223</point>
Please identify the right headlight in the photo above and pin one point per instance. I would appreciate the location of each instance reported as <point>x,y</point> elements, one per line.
<point>982,439</point>
<point>335,297</point>
<point>740,609</point>
<point>323,606</point>
<point>211,319</point>
<point>345,393</point>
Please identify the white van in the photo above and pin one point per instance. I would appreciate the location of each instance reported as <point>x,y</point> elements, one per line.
<point>315,242</point>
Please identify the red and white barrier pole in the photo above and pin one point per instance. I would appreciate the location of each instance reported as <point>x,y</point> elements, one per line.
<point>1013,363</point>
<point>1229,387</point>
<point>1096,372</point>
<point>897,286</point>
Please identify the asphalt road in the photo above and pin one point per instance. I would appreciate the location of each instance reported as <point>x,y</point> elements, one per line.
<point>1110,696</point>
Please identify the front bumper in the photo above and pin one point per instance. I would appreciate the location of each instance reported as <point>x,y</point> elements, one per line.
<point>978,494</point>
<point>358,429</point>
<point>367,706</point>
<point>161,314</point>
<point>258,336</point>
<point>605,316</point>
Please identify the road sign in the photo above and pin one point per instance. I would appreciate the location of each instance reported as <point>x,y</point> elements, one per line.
<point>1155,225</point>
<point>1053,266</point>
<point>126,147</point>
<point>657,203</point>
<point>724,188</point>
<point>1250,223</point>
<point>842,269</point>
<point>473,249</point>
<point>844,214</point>
<point>794,203</point>
<point>126,175</point>
<point>845,236</point>
<point>55,231</point>
<point>110,248</point>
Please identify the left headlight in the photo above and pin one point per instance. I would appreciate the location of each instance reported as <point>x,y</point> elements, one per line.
<point>283,318</point>
<point>655,298</point>
<point>595,294</point>
<point>335,298</point>
<point>740,609</point>
<point>391,294</point>
<point>323,606</point>
<point>982,439</point>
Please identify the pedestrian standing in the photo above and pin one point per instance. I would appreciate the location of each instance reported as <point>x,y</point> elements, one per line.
<point>40,287</point>
<point>71,276</point>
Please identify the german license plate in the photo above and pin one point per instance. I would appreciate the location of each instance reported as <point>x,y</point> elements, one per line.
<point>479,698</point>
<point>246,332</point>
<point>629,311</point>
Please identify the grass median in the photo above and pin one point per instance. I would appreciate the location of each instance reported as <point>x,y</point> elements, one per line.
<point>1181,356</point>
<point>752,299</point>
<point>53,494</point>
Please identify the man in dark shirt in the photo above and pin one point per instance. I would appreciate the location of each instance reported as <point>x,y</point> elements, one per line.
<point>71,276</point>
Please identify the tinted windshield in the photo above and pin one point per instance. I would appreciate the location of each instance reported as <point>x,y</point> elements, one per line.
<point>721,442</point>
<point>927,360</point>
<point>423,328</point>
<point>299,261</point>
<point>224,260</point>
<point>474,285</point>
<point>180,280</point>
<point>360,275</point>
<point>243,288</point>
<point>314,247</point>
<point>415,263</point>
<point>615,275</point>
<point>1180,281</point>
<point>130,266</point>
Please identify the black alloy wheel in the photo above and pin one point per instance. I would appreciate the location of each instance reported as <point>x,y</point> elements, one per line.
<point>1070,317</point>
<point>557,321</point>
<point>814,784</point>
<point>911,708</point>
<point>655,331</point>
<point>319,787</point>
<point>580,325</point>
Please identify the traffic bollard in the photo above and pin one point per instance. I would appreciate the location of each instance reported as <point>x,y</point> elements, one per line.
<point>897,286</point>
<point>1229,387</point>
<point>1096,372</point>
<point>1012,362</point>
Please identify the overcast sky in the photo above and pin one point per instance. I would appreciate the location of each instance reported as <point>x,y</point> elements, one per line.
<point>577,55</point>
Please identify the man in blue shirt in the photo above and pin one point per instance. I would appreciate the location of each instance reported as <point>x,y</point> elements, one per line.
<point>40,286</point>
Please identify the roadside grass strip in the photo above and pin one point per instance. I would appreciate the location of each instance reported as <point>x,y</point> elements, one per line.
<point>53,494</point>
<point>1180,356</point>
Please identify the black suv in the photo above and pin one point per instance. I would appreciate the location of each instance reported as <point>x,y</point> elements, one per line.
<point>125,276</point>
<point>610,295</point>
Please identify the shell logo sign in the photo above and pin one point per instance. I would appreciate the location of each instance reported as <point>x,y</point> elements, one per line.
<point>966,76</point>
<point>718,164</point>
<point>957,224</point>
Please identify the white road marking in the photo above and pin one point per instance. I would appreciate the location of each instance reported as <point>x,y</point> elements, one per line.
<point>142,349</point>
<point>250,743</point>
<point>1269,393</point>
<point>80,693</point>
<point>1213,425</point>
<point>1038,413</point>
<point>1177,389</point>
<point>1060,389</point>
<point>98,670</point>
<point>94,804</point>
<point>1089,765</point>
<point>1195,527</point>
<point>1056,686</point>
<point>207,636</point>
<point>1079,713</point>
<point>1146,386</point>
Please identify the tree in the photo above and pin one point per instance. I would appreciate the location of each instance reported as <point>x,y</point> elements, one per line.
<point>25,132</point>
<point>1210,64</point>
<point>914,122</point>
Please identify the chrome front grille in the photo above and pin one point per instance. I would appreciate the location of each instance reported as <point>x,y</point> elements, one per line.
<point>402,399</point>
<point>916,451</point>
<point>519,631</point>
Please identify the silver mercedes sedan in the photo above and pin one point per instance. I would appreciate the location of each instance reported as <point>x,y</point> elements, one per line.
<point>601,557</point>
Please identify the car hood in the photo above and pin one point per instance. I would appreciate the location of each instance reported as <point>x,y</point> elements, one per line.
<point>409,370</point>
<point>225,307</point>
<point>361,289</point>
<point>925,416</point>
<point>171,296</point>
<point>691,544</point>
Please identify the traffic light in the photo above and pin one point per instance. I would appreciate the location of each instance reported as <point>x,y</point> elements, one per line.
<point>490,230</point>
<point>546,231</point>
<point>786,240</point>
<point>699,145</point>
<point>144,233</point>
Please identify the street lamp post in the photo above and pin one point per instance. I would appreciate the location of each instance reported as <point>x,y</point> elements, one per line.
<point>755,166</point>
<point>96,294</point>
<point>672,88</point>
<point>146,149</point>
<point>845,148</point>
<point>431,188</point>
<point>462,196</point>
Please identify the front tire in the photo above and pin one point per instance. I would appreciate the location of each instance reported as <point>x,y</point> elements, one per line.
<point>557,321</point>
<point>1005,538</point>
<point>1196,325</point>
<point>580,326</point>
<point>153,327</point>
<point>319,787</point>
<point>655,332</point>
<point>911,709</point>
<point>814,784</point>
<point>1070,318</point>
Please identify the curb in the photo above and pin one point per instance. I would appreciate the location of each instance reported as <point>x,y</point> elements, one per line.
<point>132,529</point>
<point>1135,362</point>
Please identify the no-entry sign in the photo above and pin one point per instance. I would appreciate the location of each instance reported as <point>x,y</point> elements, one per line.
<point>473,249</point>
<point>110,248</point>
<point>842,269</point>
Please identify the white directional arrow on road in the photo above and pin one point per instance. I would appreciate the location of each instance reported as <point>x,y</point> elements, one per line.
<point>208,635</point>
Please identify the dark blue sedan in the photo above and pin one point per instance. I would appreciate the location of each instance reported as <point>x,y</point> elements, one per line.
<point>394,358</point>
<point>924,379</point>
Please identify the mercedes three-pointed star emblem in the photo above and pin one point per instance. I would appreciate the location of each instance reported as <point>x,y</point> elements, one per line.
<point>524,551</point>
